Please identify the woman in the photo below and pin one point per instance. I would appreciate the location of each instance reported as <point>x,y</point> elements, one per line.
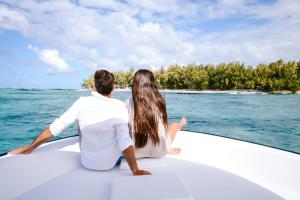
<point>151,133</point>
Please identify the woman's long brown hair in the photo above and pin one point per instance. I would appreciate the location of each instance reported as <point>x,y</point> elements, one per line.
<point>149,107</point>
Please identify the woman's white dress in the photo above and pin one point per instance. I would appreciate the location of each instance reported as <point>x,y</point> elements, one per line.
<point>149,150</point>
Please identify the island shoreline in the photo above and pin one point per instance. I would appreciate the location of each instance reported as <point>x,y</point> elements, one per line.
<point>188,91</point>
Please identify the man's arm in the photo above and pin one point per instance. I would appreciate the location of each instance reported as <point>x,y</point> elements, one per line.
<point>126,146</point>
<point>54,129</point>
<point>131,160</point>
<point>44,136</point>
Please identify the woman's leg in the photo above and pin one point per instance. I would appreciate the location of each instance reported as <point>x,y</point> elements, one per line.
<point>172,130</point>
<point>174,127</point>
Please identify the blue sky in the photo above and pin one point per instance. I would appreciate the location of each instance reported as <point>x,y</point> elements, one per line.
<point>56,44</point>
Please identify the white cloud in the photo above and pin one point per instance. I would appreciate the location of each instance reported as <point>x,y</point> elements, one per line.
<point>281,10</point>
<point>155,5</point>
<point>11,19</point>
<point>122,34</point>
<point>253,45</point>
<point>103,4</point>
<point>52,58</point>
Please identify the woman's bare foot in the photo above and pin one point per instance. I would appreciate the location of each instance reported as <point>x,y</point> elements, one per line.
<point>174,151</point>
<point>182,122</point>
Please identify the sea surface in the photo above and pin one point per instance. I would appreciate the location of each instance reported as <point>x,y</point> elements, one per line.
<point>272,120</point>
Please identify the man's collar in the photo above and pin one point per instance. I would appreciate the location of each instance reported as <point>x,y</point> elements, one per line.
<point>98,95</point>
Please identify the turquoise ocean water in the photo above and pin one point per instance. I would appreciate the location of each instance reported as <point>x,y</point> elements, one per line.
<point>272,120</point>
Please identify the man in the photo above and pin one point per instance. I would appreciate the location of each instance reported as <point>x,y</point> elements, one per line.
<point>104,132</point>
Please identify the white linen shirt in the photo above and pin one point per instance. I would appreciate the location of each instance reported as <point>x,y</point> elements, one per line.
<point>104,129</point>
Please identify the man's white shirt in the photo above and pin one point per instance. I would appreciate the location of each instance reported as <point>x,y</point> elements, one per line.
<point>103,124</point>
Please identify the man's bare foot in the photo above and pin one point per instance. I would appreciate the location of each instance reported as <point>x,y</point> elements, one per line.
<point>174,151</point>
<point>182,122</point>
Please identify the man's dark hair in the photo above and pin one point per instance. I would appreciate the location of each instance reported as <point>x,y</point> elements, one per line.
<point>104,82</point>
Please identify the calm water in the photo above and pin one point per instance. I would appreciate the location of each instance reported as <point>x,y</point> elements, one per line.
<point>272,120</point>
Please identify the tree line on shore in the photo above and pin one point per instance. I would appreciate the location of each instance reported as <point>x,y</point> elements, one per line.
<point>272,77</point>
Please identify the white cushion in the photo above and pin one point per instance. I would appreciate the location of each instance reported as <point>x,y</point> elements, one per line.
<point>145,163</point>
<point>154,187</point>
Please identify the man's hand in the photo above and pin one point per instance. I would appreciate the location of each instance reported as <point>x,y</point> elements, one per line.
<point>131,160</point>
<point>141,172</point>
<point>44,136</point>
<point>22,150</point>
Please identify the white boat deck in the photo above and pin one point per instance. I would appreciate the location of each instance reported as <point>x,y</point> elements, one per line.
<point>225,171</point>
